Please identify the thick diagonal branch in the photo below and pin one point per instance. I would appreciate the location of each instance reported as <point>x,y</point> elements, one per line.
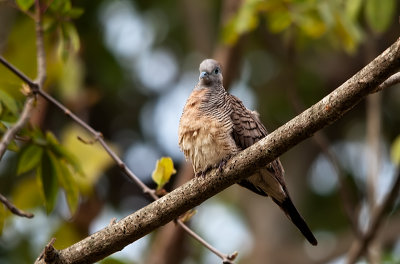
<point>115,237</point>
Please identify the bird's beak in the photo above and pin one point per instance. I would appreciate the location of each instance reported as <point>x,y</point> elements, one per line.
<point>203,75</point>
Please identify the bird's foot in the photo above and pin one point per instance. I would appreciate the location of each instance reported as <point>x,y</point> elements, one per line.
<point>203,173</point>
<point>222,163</point>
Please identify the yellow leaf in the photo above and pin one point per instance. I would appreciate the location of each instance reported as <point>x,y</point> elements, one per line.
<point>163,171</point>
<point>395,151</point>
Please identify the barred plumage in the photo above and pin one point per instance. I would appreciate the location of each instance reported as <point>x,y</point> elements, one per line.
<point>216,125</point>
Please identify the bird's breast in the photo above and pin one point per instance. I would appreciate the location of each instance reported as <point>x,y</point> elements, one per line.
<point>204,138</point>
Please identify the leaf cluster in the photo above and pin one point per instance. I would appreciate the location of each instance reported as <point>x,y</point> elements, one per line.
<point>338,22</point>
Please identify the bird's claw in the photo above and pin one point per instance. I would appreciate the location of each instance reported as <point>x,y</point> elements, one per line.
<point>203,173</point>
<point>220,166</point>
<point>222,163</point>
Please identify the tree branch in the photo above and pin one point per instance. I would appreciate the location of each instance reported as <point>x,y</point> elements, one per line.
<point>115,237</point>
<point>23,119</point>
<point>40,53</point>
<point>392,80</point>
<point>13,209</point>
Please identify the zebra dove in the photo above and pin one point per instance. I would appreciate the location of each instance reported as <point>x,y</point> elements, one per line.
<point>215,125</point>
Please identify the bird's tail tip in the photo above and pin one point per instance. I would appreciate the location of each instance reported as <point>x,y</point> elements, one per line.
<point>290,210</point>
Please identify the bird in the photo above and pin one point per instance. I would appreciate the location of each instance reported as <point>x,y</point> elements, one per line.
<point>215,125</point>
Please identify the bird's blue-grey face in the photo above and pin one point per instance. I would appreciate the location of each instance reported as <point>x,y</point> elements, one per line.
<point>210,72</point>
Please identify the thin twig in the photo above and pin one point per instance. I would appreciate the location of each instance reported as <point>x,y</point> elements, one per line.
<point>13,209</point>
<point>227,259</point>
<point>23,119</point>
<point>40,53</point>
<point>392,80</point>
<point>112,154</point>
<point>359,246</point>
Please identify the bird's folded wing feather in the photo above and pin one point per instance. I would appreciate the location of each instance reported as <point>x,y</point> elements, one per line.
<point>247,129</point>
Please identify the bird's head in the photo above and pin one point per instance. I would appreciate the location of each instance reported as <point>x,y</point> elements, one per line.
<point>210,73</point>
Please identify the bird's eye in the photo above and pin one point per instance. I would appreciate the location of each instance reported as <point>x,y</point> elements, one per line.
<point>217,70</point>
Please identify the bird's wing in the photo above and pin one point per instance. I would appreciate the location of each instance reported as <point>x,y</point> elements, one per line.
<point>247,129</point>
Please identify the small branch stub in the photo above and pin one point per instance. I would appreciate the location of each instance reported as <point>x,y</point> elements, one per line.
<point>49,253</point>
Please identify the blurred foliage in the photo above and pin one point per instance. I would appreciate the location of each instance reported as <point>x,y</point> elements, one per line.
<point>53,164</point>
<point>48,169</point>
<point>2,217</point>
<point>308,20</point>
<point>395,151</point>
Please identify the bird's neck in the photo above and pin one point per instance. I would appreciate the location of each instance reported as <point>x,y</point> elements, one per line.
<point>214,98</point>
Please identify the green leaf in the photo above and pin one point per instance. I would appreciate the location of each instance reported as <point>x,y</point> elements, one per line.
<point>279,20</point>
<point>246,20</point>
<point>163,171</point>
<point>29,159</point>
<point>312,24</point>
<point>75,12</point>
<point>346,32</point>
<point>47,179</point>
<point>395,151</point>
<point>61,47</point>
<point>9,102</point>
<point>37,136</point>
<point>353,8</point>
<point>13,146</point>
<point>25,4</point>
<point>379,14</point>
<point>229,34</point>
<point>61,6</point>
<point>67,181</point>
<point>51,139</point>
<point>72,36</point>
<point>63,153</point>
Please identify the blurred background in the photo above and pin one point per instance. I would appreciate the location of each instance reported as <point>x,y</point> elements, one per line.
<point>127,67</point>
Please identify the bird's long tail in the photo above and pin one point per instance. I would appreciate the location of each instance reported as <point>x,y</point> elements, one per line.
<point>291,212</point>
